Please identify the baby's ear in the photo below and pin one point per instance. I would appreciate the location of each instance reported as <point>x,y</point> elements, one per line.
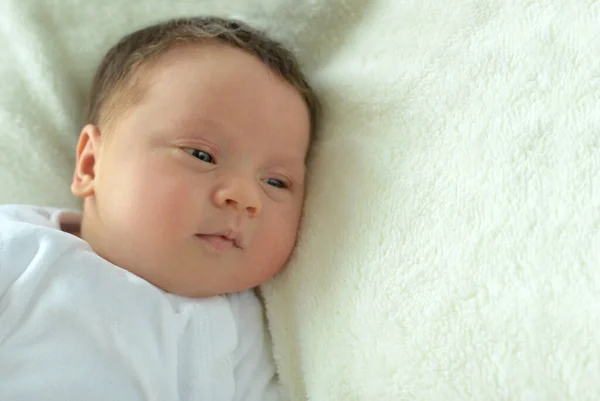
<point>88,151</point>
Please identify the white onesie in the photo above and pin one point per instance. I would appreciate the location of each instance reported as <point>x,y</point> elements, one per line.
<point>73,326</point>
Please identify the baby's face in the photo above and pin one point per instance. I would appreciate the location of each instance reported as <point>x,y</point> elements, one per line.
<point>199,187</point>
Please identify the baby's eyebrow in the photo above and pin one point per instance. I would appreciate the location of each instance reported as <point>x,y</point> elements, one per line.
<point>296,167</point>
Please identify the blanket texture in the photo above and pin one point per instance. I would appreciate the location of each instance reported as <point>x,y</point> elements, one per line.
<point>451,244</point>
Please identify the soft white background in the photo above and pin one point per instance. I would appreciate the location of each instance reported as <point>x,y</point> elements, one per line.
<point>451,246</point>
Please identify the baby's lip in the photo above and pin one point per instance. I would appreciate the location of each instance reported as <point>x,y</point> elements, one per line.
<point>234,237</point>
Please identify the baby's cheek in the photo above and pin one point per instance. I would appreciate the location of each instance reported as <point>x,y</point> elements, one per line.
<point>280,241</point>
<point>172,201</point>
<point>153,197</point>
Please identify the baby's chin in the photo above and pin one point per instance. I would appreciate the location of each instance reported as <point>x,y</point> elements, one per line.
<point>200,285</point>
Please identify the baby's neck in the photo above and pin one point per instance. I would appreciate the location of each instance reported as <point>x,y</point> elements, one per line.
<point>70,222</point>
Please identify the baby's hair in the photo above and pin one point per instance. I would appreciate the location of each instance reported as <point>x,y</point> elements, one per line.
<point>117,84</point>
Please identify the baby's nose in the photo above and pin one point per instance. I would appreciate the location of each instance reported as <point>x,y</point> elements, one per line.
<point>252,208</point>
<point>241,195</point>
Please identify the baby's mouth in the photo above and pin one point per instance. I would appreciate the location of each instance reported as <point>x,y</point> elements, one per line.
<point>220,242</point>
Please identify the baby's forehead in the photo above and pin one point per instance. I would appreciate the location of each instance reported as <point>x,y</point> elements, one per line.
<point>136,83</point>
<point>126,94</point>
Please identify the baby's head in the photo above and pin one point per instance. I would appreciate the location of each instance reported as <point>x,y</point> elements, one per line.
<point>192,162</point>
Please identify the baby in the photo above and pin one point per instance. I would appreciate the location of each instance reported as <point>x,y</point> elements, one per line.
<point>191,168</point>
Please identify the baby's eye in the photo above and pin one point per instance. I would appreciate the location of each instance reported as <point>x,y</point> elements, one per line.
<point>202,155</point>
<point>276,183</point>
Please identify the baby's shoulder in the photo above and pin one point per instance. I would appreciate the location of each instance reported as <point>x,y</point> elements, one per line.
<point>27,214</point>
<point>30,237</point>
<point>16,218</point>
<point>28,227</point>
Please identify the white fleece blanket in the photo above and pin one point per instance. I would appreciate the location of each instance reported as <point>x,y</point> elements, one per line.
<point>451,246</point>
